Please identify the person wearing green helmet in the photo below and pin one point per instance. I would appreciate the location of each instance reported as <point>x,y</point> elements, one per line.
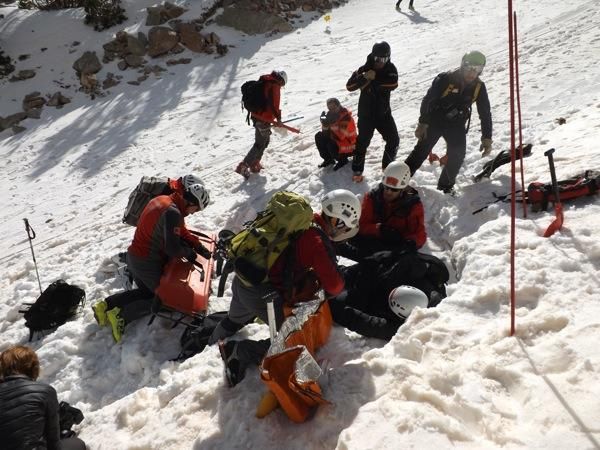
<point>446,112</point>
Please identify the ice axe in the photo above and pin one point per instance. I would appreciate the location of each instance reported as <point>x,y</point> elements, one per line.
<point>557,223</point>
<point>31,237</point>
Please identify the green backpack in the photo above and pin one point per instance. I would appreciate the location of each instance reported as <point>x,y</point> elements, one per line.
<point>256,248</point>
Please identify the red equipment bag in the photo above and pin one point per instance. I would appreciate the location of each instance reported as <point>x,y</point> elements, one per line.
<point>185,287</point>
<point>540,194</point>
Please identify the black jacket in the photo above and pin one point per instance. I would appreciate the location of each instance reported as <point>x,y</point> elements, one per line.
<point>28,415</point>
<point>374,101</point>
<point>449,99</point>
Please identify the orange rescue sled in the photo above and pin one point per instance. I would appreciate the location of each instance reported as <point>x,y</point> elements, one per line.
<point>185,287</point>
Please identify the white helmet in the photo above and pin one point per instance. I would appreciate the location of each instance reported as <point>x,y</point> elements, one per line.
<point>200,194</point>
<point>281,74</point>
<point>404,299</point>
<point>189,180</point>
<point>344,205</point>
<point>396,175</point>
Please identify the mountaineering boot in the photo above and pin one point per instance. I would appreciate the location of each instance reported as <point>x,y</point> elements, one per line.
<point>448,190</point>
<point>100,313</point>
<point>117,324</point>
<point>243,169</point>
<point>358,177</point>
<point>256,167</point>
<point>234,372</point>
<point>326,163</point>
<point>341,163</point>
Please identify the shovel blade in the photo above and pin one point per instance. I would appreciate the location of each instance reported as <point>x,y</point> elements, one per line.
<point>556,225</point>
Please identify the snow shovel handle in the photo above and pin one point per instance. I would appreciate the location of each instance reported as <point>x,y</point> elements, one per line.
<point>550,155</point>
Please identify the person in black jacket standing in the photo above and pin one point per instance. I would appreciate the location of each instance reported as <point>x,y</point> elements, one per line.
<point>446,112</point>
<point>375,79</point>
<point>29,413</point>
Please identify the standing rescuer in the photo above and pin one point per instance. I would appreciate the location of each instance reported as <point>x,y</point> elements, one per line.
<point>376,79</point>
<point>446,112</point>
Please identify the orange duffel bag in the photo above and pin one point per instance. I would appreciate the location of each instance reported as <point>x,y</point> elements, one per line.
<point>289,370</point>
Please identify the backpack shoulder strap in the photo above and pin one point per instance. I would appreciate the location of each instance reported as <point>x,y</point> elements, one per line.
<point>476,91</point>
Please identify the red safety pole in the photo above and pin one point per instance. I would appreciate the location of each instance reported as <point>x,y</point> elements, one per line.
<point>512,166</point>
<point>523,197</point>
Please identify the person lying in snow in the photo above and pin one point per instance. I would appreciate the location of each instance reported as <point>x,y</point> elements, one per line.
<point>161,234</point>
<point>374,306</point>
<point>392,217</point>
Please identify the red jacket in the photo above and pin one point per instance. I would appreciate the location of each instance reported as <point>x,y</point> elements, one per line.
<point>343,131</point>
<point>272,91</point>
<point>310,252</point>
<point>152,233</point>
<point>176,185</point>
<point>406,215</point>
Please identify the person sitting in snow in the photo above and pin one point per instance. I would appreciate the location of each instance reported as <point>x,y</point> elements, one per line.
<point>314,267</point>
<point>392,217</point>
<point>161,234</point>
<point>374,306</point>
<point>337,137</point>
<point>262,120</point>
<point>29,409</point>
<point>446,112</point>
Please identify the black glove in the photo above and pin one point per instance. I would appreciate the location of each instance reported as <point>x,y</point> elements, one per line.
<point>390,235</point>
<point>203,251</point>
<point>191,255</point>
<point>323,118</point>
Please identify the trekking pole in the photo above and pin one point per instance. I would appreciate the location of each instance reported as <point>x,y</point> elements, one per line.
<point>557,223</point>
<point>292,119</point>
<point>31,236</point>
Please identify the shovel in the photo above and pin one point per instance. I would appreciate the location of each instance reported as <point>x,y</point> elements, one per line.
<point>557,223</point>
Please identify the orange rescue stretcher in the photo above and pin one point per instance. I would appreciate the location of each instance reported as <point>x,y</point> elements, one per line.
<point>184,288</point>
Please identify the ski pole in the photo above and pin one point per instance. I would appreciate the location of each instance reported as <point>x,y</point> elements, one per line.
<point>31,236</point>
<point>292,119</point>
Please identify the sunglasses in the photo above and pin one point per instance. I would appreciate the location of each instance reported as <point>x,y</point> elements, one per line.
<point>472,68</point>
<point>381,59</point>
<point>391,189</point>
<point>339,224</point>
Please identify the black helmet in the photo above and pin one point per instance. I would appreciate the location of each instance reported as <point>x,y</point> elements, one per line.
<point>381,49</point>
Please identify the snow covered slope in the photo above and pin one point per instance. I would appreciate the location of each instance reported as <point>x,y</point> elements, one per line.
<point>451,377</point>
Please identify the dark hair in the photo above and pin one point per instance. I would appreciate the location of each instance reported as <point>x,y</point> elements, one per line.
<point>19,360</point>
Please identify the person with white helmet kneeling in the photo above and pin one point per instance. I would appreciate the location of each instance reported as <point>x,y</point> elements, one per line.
<point>392,217</point>
<point>296,275</point>
<point>160,235</point>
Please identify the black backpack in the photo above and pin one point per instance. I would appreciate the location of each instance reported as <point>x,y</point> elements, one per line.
<point>57,304</point>
<point>253,97</point>
<point>195,337</point>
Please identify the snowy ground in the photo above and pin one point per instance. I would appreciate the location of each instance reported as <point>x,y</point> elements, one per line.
<point>452,377</point>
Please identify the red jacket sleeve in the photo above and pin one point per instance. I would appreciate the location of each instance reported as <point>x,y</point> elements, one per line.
<point>313,253</point>
<point>367,225</point>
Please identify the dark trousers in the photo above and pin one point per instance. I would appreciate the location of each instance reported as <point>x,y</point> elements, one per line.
<point>328,148</point>
<point>72,443</point>
<point>353,310</point>
<point>366,127</point>
<point>456,142</point>
<point>134,304</point>
<point>262,136</point>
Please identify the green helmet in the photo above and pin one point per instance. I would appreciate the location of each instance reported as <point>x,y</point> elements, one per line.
<point>473,58</point>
